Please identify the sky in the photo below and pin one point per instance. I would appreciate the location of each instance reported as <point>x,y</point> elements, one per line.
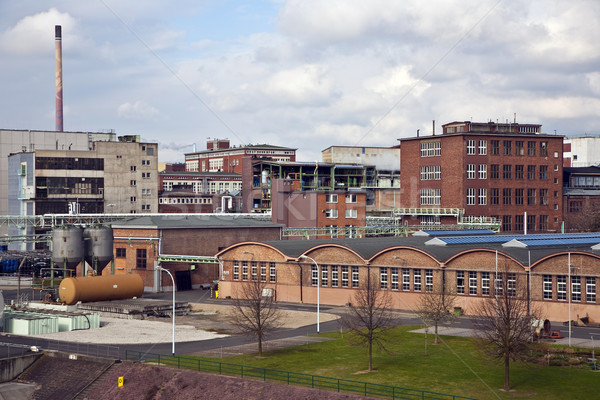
<point>303,74</point>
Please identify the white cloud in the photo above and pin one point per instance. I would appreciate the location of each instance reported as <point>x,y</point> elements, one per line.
<point>35,34</point>
<point>306,85</point>
<point>137,110</point>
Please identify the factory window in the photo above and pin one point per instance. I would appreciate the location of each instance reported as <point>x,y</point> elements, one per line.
<point>482,147</point>
<point>494,196</point>
<point>561,287</point>
<point>531,148</point>
<point>507,196</point>
<point>324,275</point>
<point>485,283</point>
<point>272,272</point>
<point>263,271</point>
<point>543,172</point>
<point>547,287</point>
<point>417,280</point>
<point>506,223</point>
<point>531,222</point>
<point>530,197</point>
<point>334,276</point>
<point>544,149</point>
<point>495,147</point>
<point>494,171</point>
<point>511,285</point>
<point>354,277</point>
<point>150,151</point>
<point>470,171</point>
<point>507,171</point>
<point>394,271</point>
<point>498,288</point>
<point>121,252</point>
<point>132,168</point>
<point>244,270</point>
<point>314,275</point>
<point>140,258</point>
<point>482,196</point>
<point>470,196</point>
<point>405,279</point>
<point>482,171</point>
<point>344,276</point>
<point>519,148</point>
<point>429,280</point>
<point>473,282</point>
<point>383,278</point>
<point>544,197</point>
<point>531,172</point>
<point>460,282</point>
<point>576,288</point>
<point>331,213</point>
<point>590,289</point>
<point>507,148</point>
<point>519,196</point>
<point>519,222</point>
<point>253,271</point>
<point>331,198</point>
<point>236,270</point>
<point>519,171</point>
<point>470,147</point>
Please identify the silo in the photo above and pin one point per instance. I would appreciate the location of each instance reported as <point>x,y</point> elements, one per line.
<point>67,246</point>
<point>98,242</point>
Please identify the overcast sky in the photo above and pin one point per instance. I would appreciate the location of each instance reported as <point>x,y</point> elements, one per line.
<point>304,74</point>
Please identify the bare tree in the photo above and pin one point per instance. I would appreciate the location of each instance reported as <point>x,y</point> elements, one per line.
<point>369,316</point>
<point>504,322</point>
<point>255,312</point>
<point>436,306</point>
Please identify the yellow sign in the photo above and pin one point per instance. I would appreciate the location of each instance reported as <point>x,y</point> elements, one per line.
<point>120,381</point>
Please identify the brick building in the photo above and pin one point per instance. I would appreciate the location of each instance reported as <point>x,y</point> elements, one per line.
<point>219,156</point>
<point>497,170</point>
<point>410,267</point>
<point>183,244</point>
<point>581,198</point>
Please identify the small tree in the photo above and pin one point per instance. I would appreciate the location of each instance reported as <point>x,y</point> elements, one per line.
<point>504,322</point>
<point>369,316</point>
<point>436,307</point>
<point>255,312</point>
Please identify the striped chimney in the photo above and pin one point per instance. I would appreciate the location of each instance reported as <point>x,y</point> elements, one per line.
<point>59,83</point>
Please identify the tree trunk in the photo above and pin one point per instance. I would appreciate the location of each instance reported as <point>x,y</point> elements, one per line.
<point>506,373</point>
<point>370,355</point>
<point>435,341</point>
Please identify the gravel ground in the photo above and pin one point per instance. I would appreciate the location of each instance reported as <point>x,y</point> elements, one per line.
<point>206,321</point>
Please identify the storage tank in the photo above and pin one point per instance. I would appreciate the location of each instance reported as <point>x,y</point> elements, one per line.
<point>100,288</point>
<point>67,246</point>
<point>98,242</point>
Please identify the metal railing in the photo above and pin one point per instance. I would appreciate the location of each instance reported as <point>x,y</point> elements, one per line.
<point>291,378</point>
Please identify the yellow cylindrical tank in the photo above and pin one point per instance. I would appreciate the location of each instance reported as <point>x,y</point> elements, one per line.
<point>100,288</point>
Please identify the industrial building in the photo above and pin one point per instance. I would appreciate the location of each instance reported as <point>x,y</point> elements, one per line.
<point>508,172</point>
<point>581,198</point>
<point>559,272</point>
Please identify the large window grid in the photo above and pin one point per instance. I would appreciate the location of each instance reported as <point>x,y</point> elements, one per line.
<point>244,270</point>
<point>405,279</point>
<point>471,171</point>
<point>507,148</point>
<point>543,172</point>
<point>314,275</point>
<point>417,280</point>
<point>431,197</point>
<point>263,271</point>
<point>471,147</point>
<point>383,278</point>
<point>429,280</point>
<point>519,172</point>
<point>345,276</point>
<point>485,283</point>
<point>590,289</point>
<point>324,276</point>
<point>547,288</point>
<point>354,277</point>
<point>531,148</point>
<point>494,196</point>
<point>473,282</point>
<point>334,276</point>
<point>482,196</point>
<point>507,171</point>
<point>495,147</point>
<point>531,172</point>
<point>576,288</point>
<point>460,282</point>
<point>482,147</point>
<point>482,171</point>
<point>253,271</point>
<point>561,287</point>
<point>272,272</point>
<point>495,171</point>
<point>431,173</point>
<point>511,284</point>
<point>507,196</point>
<point>236,270</point>
<point>394,272</point>
<point>431,148</point>
<point>519,148</point>
<point>470,196</point>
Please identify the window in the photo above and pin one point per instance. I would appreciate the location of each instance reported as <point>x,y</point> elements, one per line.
<point>530,222</point>
<point>324,275</point>
<point>473,282</point>
<point>132,168</point>
<point>494,196</point>
<point>431,197</point>
<point>495,147</point>
<point>590,289</point>
<point>507,196</point>
<point>431,148</point>
<point>507,148</point>
<point>543,172</point>
<point>354,277</point>
<point>482,147</point>
<point>471,171</point>
<point>544,149</point>
<point>470,147</point>
<point>531,148</point>
<point>244,270</point>
<point>132,182</point>
<point>132,199</point>
<point>544,197</point>
<point>394,272</point>
<point>482,171</point>
<point>511,285</point>
<point>405,279</point>
<point>121,252</point>
<point>431,172</point>
<point>253,271</point>
<point>485,283</point>
<point>498,285</point>
<point>530,197</point>
<point>507,171</point>
<point>482,196</point>
<point>263,271</point>
<point>344,276</point>
<point>561,287</point>
<point>417,280</point>
<point>314,275</point>
<point>519,148</point>
<point>519,196</point>
<point>519,223</point>
<point>351,213</point>
<point>429,280</point>
<point>576,288</point>
<point>331,213</point>
<point>519,172</point>
<point>140,258</point>
<point>531,172</point>
<point>470,196</point>
<point>460,282</point>
<point>506,223</point>
<point>547,288</point>
<point>145,175</point>
<point>350,198</point>
<point>236,270</point>
<point>334,276</point>
<point>383,278</point>
<point>331,198</point>
<point>494,171</point>
<point>272,272</point>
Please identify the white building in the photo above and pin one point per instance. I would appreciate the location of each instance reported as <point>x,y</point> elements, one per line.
<point>582,151</point>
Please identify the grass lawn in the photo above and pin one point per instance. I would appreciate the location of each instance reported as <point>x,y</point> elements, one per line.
<point>454,367</point>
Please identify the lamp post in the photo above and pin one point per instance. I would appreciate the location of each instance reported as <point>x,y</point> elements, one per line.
<point>318,285</point>
<point>158,267</point>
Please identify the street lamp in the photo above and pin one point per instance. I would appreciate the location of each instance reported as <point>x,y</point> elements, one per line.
<point>158,267</point>
<point>318,285</point>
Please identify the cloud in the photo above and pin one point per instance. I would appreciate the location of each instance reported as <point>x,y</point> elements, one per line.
<point>306,85</point>
<point>137,110</point>
<point>35,34</point>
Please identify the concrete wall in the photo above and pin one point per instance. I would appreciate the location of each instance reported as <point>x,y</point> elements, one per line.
<point>12,367</point>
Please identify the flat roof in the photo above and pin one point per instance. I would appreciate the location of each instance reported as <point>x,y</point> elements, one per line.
<point>183,221</point>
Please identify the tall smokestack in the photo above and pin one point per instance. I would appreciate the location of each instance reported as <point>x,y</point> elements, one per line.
<point>59,85</point>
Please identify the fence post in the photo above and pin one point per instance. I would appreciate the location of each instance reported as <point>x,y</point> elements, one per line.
<point>365,388</point>
<point>288,377</point>
<point>338,385</point>
<point>159,359</point>
<point>178,362</point>
<point>242,375</point>
<point>220,365</point>
<point>264,375</point>
<point>312,377</point>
